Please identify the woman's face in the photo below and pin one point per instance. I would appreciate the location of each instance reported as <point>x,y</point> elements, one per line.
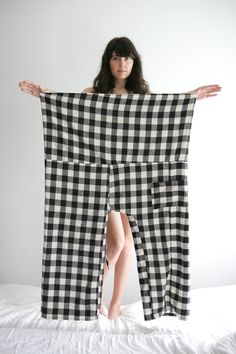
<point>121,67</point>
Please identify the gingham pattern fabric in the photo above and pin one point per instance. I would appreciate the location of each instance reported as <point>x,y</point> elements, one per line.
<point>110,152</point>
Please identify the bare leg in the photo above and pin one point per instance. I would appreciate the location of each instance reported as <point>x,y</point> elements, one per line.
<point>121,269</point>
<point>115,242</point>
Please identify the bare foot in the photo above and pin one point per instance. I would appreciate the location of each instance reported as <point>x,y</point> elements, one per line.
<point>114,311</point>
<point>103,310</point>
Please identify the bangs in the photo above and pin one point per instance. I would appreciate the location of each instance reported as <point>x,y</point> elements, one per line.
<point>122,49</point>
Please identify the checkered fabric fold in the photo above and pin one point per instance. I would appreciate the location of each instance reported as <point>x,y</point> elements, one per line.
<point>109,152</point>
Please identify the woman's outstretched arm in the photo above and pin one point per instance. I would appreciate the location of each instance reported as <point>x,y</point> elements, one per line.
<point>35,89</point>
<point>32,88</point>
<point>206,91</point>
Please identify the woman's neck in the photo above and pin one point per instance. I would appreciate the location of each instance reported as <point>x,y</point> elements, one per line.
<point>120,84</point>
<point>120,87</point>
<point>119,91</point>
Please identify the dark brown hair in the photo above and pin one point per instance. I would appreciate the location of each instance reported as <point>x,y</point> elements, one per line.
<point>105,81</point>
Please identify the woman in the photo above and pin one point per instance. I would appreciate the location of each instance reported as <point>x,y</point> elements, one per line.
<point>120,73</point>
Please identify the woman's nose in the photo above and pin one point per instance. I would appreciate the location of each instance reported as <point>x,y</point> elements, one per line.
<point>122,61</point>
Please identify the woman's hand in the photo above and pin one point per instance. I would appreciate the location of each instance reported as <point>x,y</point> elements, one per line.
<point>206,91</point>
<point>32,88</point>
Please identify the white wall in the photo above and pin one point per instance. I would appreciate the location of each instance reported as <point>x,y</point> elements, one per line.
<point>183,44</point>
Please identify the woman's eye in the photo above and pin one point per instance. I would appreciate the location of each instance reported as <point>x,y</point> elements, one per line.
<point>116,58</point>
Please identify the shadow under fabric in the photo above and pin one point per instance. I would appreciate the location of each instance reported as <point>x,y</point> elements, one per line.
<point>128,153</point>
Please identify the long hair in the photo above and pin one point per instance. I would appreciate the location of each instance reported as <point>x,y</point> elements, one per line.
<point>104,82</point>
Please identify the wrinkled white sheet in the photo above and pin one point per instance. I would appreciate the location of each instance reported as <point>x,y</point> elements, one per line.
<point>211,328</point>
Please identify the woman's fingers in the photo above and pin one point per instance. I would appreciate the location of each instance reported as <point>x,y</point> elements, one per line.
<point>25,83</point>
<point>30,87</point>
<point>214,88</point>
<point>207,91</point>
<point>25,89</point>
<point>210,88</point>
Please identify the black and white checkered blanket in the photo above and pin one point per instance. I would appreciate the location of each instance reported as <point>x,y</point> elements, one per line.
<point>109,152</point>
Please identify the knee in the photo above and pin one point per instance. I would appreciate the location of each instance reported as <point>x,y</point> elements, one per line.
<point>128,243</point>
<point>116,246</point>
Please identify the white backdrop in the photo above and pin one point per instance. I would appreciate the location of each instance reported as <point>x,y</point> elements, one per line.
<point>183,44</point>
